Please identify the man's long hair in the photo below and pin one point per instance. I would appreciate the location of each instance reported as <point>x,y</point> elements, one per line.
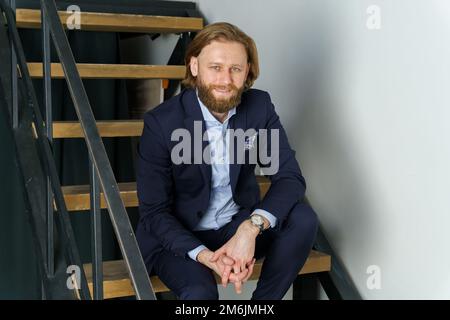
<point>222,31</point>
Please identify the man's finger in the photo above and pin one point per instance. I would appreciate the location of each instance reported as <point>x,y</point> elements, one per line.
<point>227,260</point>
<point>217,254</point>
<point>250,270</point>
<point>234,277</point>
<point>226,275</point>
<point>238,276</point>
<point>238,287</point>
<point>253,261</point>
<point>243,267</point>
<point>237,268</point>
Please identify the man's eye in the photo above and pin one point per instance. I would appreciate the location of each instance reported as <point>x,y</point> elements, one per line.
<point>236,70</point>
<point>217,68</point>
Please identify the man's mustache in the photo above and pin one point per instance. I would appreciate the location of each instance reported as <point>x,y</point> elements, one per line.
<point>228,87</point>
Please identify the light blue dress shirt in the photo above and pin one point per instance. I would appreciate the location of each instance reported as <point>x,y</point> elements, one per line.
<point>221,206</point>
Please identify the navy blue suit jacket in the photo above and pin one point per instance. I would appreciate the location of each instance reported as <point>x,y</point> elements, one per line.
<point>173,197</point>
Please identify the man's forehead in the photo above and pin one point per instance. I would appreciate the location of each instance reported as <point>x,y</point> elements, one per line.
<point>224,52</point>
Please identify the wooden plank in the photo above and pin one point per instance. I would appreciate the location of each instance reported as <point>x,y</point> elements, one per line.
<point>112,22</point>
<point>111,128</point>
<point>117,283</point>
<point>77,197</point>
<point>112,71</point>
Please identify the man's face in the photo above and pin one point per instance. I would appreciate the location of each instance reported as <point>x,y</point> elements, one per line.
<point>221,69</point>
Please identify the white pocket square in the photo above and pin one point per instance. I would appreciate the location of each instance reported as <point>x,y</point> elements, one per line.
<point>249,142</point>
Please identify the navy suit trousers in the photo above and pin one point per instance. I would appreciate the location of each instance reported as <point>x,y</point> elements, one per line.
<point>285,251</point>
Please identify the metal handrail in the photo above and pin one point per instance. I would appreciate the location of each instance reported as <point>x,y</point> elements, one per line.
<point>118,214</point>
<point>49,167</point>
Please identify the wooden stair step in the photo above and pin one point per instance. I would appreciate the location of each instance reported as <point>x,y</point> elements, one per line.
<point>117,282</point>
<point>112,71</point>
<point>115,22</point>
<point>107,128</point>
<point>77,197</point>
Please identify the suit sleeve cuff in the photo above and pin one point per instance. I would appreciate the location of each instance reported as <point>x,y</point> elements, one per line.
<point>194,252</point>
<point>272,219</point>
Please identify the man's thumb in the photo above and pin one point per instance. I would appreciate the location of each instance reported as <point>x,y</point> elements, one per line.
<point>215,256</point>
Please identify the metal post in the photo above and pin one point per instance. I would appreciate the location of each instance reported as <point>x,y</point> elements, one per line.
<point>49,132</point>
<point>96,234</point>
<point>14,97</point>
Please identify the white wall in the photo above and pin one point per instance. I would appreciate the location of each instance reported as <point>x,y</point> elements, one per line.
<point>368,113</point>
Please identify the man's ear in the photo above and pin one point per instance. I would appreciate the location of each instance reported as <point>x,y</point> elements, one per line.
<point>193,64</point>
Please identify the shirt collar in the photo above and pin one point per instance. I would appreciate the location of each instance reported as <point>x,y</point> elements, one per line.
<point>207,115</point>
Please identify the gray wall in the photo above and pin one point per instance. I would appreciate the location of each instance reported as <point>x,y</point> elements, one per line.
<point>367,112</point>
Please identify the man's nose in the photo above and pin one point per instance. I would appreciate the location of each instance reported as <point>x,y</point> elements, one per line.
<point>225,77</point>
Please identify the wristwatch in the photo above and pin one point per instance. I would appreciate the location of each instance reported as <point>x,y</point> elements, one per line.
<point>258,221</point>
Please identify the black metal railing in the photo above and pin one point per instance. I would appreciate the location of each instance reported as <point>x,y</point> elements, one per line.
<point>102,176</point>
<point>100,162</point>
<point>36,163</point>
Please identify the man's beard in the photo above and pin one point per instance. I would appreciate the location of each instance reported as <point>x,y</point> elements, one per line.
<point>206,95</point>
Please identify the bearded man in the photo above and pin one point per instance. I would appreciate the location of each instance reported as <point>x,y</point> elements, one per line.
<point>203,215</point>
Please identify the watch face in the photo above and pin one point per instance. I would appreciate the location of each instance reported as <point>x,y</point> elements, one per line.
<point>258,220</point>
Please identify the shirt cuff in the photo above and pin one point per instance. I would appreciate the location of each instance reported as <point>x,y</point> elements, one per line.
<point>272,219</point>
<point>194,252</point>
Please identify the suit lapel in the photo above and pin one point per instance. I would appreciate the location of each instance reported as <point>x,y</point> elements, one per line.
<point>238,121</point>
<point>192,121</point>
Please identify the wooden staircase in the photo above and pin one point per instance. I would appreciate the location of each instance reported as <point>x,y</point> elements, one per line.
<point>116,279</point>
